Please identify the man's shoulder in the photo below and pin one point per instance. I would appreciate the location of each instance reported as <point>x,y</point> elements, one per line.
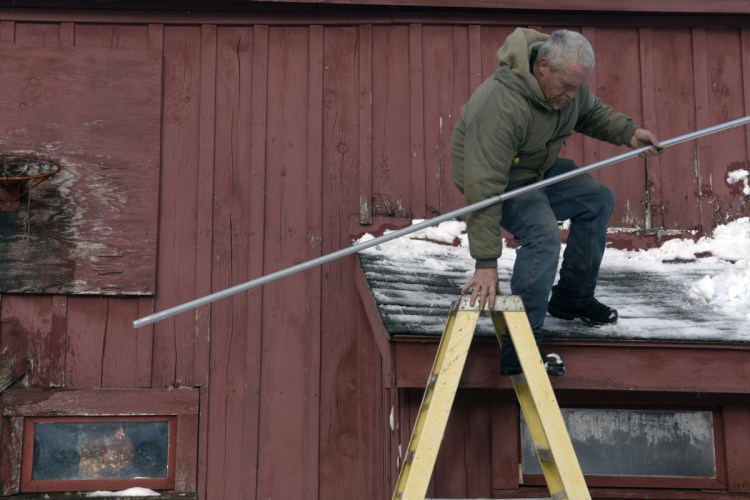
<point>503,90</point>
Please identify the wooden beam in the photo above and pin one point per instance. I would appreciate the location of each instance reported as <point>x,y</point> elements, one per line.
<point>720,370</point>
<point>59,403</point>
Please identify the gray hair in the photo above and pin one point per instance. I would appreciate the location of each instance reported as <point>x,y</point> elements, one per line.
<point>563,46</point>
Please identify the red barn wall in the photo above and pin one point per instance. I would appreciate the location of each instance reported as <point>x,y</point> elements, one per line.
<point>281,132</point>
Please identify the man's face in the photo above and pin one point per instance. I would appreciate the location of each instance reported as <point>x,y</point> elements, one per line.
<point>561,85</point>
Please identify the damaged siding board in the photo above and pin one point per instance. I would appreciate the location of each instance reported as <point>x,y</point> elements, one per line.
<point>92,227</point>
<point>35,327</point>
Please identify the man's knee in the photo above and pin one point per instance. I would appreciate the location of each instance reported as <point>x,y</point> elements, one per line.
<point>545,233</point>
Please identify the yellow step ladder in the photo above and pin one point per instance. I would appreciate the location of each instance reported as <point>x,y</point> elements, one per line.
<point>535,395</point>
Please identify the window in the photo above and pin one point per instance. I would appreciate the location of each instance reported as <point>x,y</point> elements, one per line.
<point>635,447</point>
<point>72,453</point>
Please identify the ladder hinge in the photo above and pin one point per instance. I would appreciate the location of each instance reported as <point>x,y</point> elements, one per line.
<point>560,495</point>
<point>409,458</point>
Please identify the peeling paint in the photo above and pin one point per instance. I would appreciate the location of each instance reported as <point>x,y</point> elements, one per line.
<point>364,211</point>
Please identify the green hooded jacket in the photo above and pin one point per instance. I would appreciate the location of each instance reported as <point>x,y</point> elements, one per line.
<point>508,136</point>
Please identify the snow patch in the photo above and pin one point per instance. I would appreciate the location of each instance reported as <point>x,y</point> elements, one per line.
<point>130,492</point>
<point>740,175</point>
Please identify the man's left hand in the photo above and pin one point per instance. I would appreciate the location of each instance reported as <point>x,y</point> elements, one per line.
<point>642,138</point>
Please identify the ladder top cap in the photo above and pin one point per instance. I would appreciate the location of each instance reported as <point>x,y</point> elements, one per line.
<point>503,303</point>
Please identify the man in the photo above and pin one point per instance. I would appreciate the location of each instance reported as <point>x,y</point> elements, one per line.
<point>509,134</point>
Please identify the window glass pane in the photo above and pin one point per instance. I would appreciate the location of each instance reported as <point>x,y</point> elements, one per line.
<point>100,450</point>
<point>635,443</point>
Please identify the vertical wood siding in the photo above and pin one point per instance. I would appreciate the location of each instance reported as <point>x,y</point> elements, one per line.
<point>276,141</point>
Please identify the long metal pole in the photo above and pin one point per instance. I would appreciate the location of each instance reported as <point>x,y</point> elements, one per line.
<point>153,318</point>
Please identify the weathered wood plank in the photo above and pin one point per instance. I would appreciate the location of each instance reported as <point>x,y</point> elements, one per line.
<point>364,145</point>
<point>375,325</point>
<point>391,144</point>
<point>465,441</point>
<point>315,301</point>
<point>618,83</point>
<point>186,449</point>
<point>84,350</point>
<point>178,211</point>
<point>445,89</point>
<point>235,341</point>
<point>193,365</point>
<point>417,91</point>
<point>285,342</point>
<point>256,236</point>
<point>653,186</point>
<point>11,430</point>
<point>341,422</point>
<point>590,145</point>
<point>38,402</point>
<point>505,438</point>
<point>372,419</point>
<point>736,421</point>
<point>31,325</point>
<point>126,357</point>
<point>726,151</point>
<point>115,36</point>
<point>91,227</point>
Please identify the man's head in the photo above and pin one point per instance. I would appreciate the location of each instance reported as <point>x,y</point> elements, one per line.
<point>563,63</point>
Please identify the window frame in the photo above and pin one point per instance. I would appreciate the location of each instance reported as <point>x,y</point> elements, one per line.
<point>719,481</point>
<point>30,485</point>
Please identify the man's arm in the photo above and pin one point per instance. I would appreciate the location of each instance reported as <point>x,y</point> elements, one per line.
<point>493,130</point>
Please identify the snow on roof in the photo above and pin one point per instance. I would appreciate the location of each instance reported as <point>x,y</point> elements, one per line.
<point>685,290</point>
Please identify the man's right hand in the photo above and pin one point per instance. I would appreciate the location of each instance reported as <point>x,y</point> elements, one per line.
<point>483,286</point>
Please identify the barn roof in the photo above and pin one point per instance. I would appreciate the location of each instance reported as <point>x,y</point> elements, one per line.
<point>413,281</point>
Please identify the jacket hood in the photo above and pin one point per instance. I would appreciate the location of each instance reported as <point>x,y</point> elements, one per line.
<point>514,55</point>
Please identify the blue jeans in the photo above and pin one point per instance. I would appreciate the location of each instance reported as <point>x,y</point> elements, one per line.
<point>532,219</point>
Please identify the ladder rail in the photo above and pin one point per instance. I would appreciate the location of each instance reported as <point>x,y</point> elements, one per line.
<point>537,400</point>
<point>424,443</point>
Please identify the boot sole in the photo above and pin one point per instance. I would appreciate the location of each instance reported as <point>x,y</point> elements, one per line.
<point>569,317</point>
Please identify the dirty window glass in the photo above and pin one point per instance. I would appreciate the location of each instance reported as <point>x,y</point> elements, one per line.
<point>635,443</point>
<point>100,450</point>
